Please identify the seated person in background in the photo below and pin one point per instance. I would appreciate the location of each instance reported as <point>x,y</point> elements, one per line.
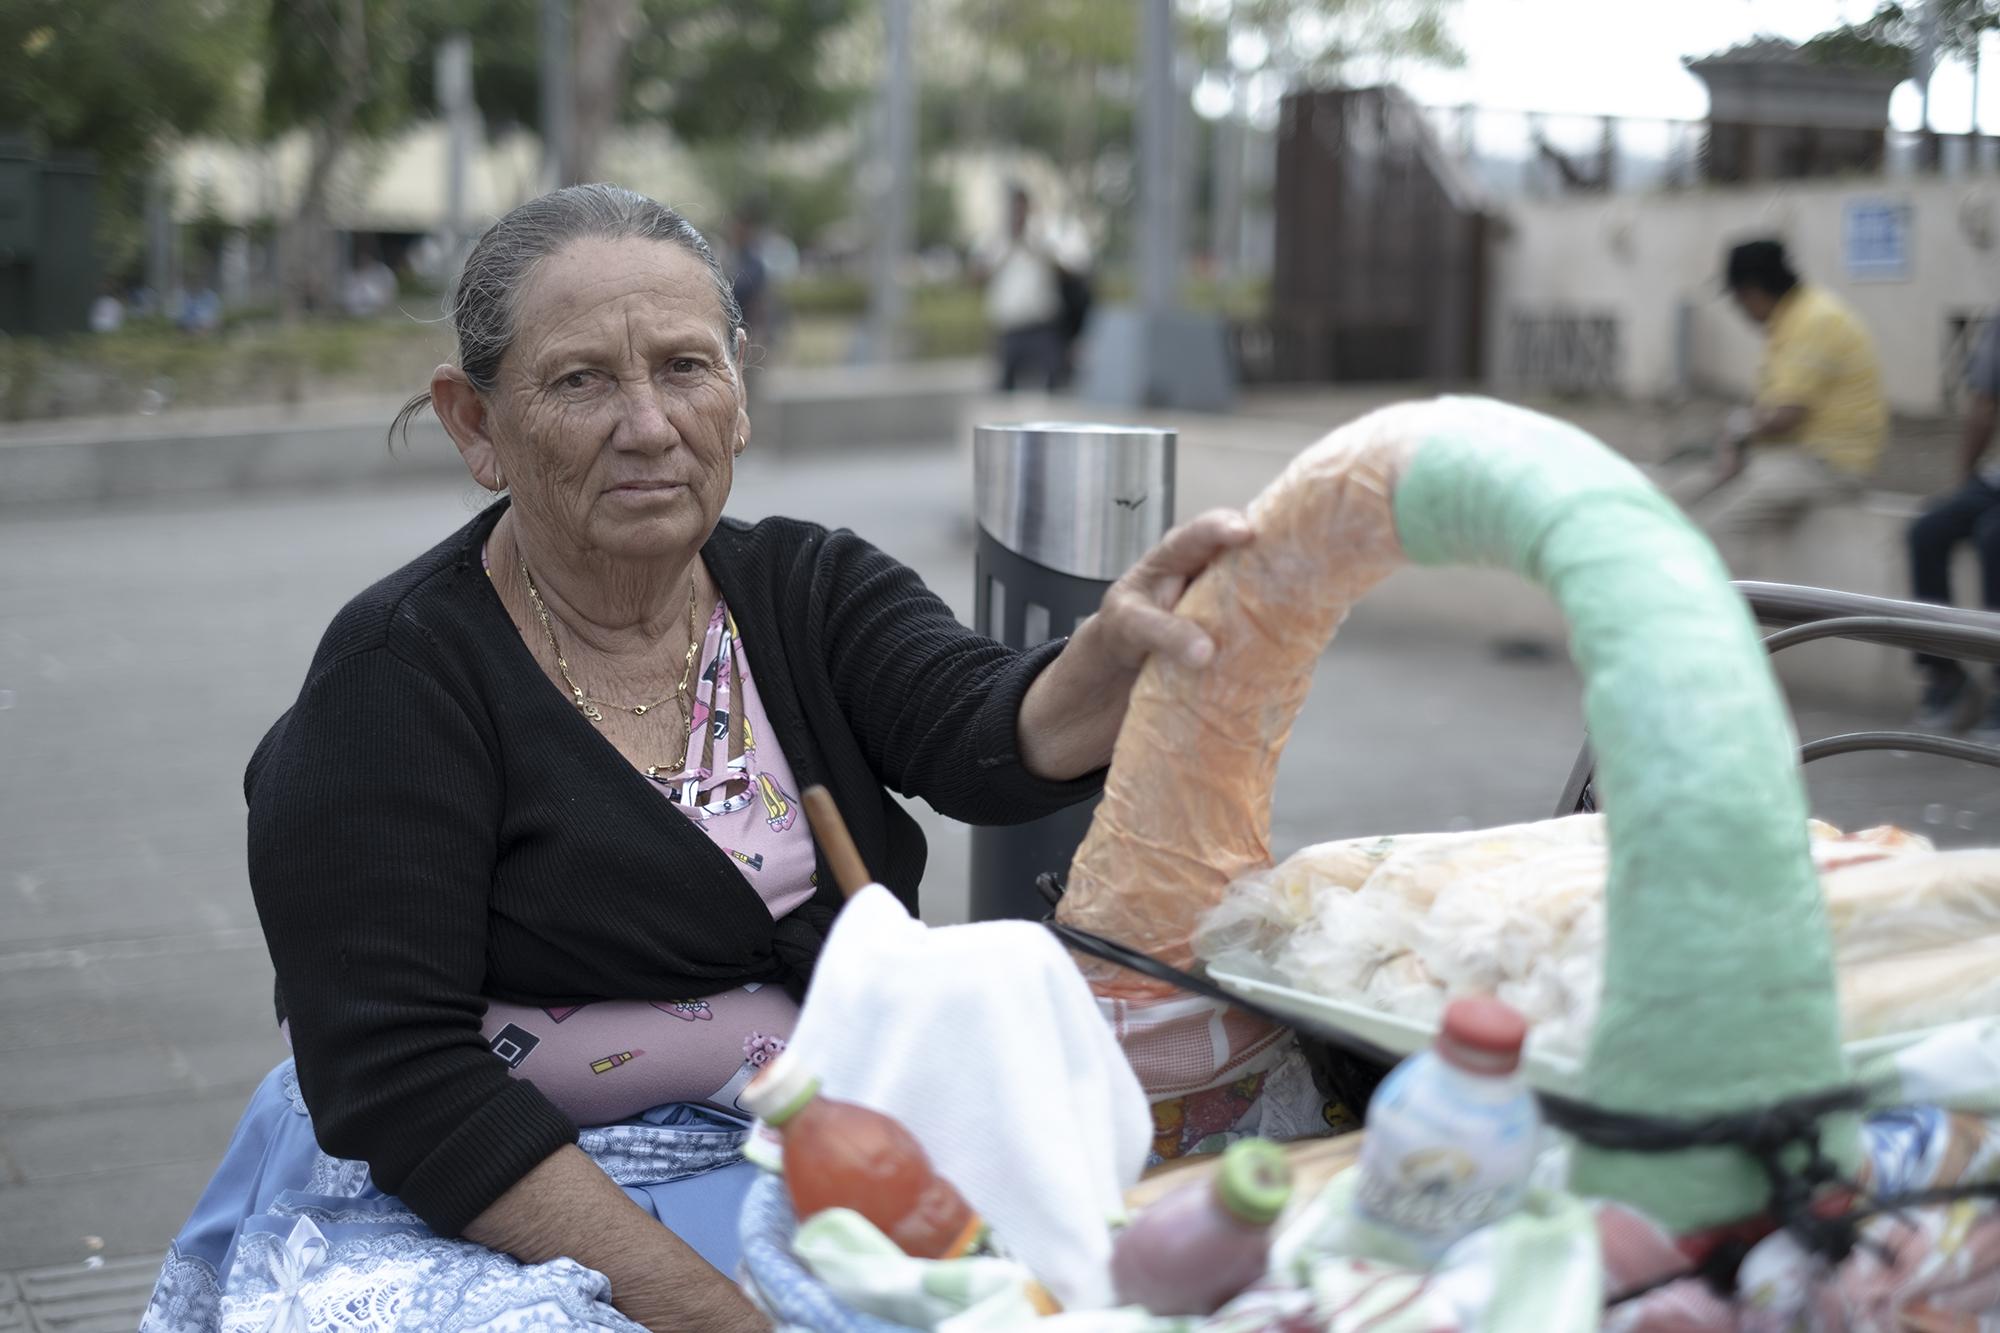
<point>1819,421</point>
<point>1969,513</point>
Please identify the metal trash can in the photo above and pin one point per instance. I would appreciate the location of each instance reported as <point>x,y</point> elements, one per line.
<point>1064,509</point>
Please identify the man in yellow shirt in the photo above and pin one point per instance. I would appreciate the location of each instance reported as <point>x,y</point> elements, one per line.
<point>1819,421</point>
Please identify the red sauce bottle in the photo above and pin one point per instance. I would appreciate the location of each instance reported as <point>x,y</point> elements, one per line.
<point>839,1155</point>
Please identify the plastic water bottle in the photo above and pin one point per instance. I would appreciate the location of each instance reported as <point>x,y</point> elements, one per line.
<point>1451,1137</point>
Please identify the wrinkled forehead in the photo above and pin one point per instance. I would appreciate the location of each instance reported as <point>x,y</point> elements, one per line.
<point>597,294</point>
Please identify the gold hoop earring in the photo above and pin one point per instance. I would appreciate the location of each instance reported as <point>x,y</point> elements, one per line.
<point>741,445</point>
<point>499,481</point>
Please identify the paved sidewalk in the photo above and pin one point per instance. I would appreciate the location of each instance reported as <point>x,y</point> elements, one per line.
<point>144,649</point>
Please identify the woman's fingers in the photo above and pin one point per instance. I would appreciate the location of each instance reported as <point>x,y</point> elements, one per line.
<point>1146,629</point>
<point>1194,545</point>
<point>1138,610</point>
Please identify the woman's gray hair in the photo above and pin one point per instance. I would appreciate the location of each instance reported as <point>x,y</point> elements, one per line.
<point>481,304</point>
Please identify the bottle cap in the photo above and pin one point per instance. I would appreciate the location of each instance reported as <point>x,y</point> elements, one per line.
<point>1482,1035</point>
<point>781,1091</point>
<point>1254,1181</point>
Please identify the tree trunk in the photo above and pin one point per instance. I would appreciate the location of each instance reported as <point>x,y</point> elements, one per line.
<point>604,31</point>
<point>345,33</point>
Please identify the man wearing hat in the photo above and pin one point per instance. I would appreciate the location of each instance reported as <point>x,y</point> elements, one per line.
<point>1818,423</point>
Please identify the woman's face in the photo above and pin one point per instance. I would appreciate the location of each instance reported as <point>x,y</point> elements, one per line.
<point>618,409</point>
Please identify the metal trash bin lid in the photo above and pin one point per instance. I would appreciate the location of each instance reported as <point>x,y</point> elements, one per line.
<point>1082,498</point>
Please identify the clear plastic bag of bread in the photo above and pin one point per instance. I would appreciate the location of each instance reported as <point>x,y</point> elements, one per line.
<point>1401,924</point>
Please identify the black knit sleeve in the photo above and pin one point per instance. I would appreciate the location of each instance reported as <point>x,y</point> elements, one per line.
<point>373,824</point>
<point>934,704</point>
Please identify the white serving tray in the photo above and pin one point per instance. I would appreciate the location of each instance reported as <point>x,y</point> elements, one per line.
<point>1405,1036</point>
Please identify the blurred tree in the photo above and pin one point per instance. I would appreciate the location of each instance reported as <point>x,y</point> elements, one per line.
<point>1317,39</point>
<point>506,57</point>
<point>121,80</point>
<point>739,73</point>
<point>742,72</point>
<point>333,68</point>
<point>1893,34</point>
<point>802,204</point>
<point>600,61</point>
<point>347,69</point>
<point>1054,77</point>
<point>936,222</point>
<point>1894,37</point>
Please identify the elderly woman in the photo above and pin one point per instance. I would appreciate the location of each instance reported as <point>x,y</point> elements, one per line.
<point>527,849</point>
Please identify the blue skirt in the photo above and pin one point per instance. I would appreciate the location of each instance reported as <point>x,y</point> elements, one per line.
<point>284,1230</point>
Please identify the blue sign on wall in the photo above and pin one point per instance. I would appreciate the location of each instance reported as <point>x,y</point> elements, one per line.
<point>1875,237</point>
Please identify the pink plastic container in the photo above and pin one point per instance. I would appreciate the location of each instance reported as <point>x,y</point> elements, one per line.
<point>1193,1250</point>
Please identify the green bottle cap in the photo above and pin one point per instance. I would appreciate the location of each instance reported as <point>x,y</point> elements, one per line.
<point>1254,1181</point>
<point>781,1091</point>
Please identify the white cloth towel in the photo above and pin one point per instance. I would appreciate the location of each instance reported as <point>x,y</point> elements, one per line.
<point>985,1041</point>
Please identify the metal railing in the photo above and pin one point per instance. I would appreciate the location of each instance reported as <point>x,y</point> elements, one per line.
<point>1531,154</point>
<point>1802,615</point>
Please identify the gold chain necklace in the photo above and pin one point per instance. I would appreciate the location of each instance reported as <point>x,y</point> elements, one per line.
<point>588,706</point>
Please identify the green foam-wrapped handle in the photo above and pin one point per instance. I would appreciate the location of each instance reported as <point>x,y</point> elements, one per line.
<point>1719,989</point>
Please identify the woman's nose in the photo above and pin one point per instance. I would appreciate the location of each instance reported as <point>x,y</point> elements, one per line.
<point>647,423</point>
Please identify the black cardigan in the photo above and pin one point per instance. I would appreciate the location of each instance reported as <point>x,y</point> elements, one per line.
<point>433,822</point>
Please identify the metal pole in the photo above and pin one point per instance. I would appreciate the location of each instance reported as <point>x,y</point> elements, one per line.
<point>557,109</point>
<point>1927,47</point>
<point>897,138</point>
<point>1226,200</point>
<point>1978,140</point>
<point>1156,227</point>
<point>454,83</point>
<point>1973,57</point>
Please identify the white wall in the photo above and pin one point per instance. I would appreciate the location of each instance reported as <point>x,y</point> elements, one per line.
<point>1642,259</point>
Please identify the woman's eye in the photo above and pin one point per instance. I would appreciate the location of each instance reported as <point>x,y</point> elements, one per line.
<point>576,379</point>
<point>684,365</point>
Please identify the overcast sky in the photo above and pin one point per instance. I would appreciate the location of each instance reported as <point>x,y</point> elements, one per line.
<point>1623,57</point>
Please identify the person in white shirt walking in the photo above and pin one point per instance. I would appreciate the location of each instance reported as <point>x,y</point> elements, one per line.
<point>1024,303</point>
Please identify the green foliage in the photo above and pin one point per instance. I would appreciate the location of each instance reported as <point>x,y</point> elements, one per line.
<point>800,205</point>
<point>948,319</point>
<point>1042,34</point>
<point>302,63</point>
<point>715,73</point>
<point>1316,39</point>
<point>745,71</point>
<point>1062,115</point>
<point>118,78</point>
<point>1850,47</point>
<point>1892,36</point>
<point>944,320</point>
<point>827,294</point>
<point>936,221</point>
<point>252,361</point>
<point>506,56</point>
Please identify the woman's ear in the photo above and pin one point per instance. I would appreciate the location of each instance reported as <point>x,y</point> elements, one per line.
<point>463,412</point>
